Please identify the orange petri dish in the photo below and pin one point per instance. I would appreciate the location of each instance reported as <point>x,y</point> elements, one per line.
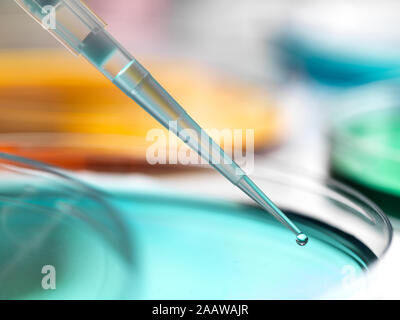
<point>56,108</point>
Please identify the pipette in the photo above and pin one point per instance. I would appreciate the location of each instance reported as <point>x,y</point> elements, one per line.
<point>81,31</point>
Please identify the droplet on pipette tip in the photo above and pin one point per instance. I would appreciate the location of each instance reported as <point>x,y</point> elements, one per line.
<point>301,239</point>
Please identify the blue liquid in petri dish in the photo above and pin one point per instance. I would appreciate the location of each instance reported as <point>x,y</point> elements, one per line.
<point>338,68</point>
<point>175,248</point>
<point>196,249</point>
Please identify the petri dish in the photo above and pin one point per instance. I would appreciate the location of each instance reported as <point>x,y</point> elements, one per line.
<point>365,144</point>
<point>59,110</point>
<point>59,238</point>
<point>198,242</point>
<point>138,238</point>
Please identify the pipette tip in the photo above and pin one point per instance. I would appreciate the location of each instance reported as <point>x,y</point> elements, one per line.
<point>301,239</point>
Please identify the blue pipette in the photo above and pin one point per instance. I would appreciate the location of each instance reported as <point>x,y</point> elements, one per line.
<point>81,31</point>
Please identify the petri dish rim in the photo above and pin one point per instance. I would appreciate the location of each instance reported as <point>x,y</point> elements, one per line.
<point>104,221</point>
<point>290,177</point>
<point>335,190</point>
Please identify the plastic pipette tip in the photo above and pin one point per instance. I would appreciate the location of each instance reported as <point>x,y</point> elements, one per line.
<point>301,239</point>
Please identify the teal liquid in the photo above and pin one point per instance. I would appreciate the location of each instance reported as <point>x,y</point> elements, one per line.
<point>88,265</point>
<point>196,249</point>
<point>180,248</point>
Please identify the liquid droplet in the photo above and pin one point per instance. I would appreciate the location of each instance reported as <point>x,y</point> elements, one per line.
<point>301,239</point>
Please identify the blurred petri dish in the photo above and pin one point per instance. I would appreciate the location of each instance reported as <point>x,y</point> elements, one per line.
<point>334,67</point>
<point>365,144</point>
<point>360,48</point>
<point>199,242</point>
<point>59,239</point>
<point>61,111</point>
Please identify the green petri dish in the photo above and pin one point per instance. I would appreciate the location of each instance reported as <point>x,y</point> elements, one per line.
<point>365,145</point>
<point>173,239</point>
